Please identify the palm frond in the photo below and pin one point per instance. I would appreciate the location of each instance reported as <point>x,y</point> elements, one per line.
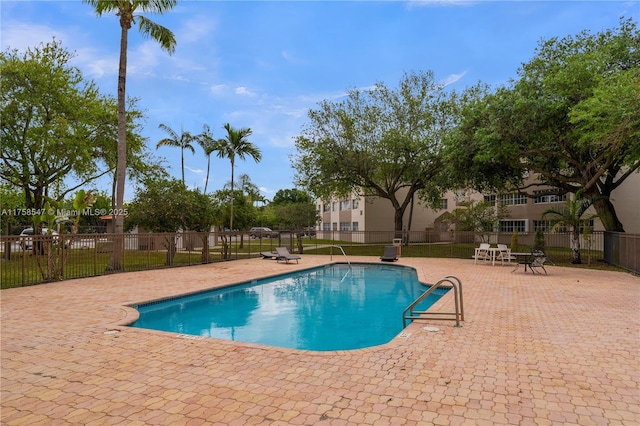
<point>161,34</point>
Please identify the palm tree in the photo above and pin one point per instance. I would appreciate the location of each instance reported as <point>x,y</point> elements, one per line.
<point>249,188</point>
<point>182,141</point>
<point>208,144</point>
<point>125,10</point>
<point>572,216</point>
<point>235,143</point>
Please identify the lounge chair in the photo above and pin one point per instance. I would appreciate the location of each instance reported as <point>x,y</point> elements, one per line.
<point>268,255</point>
<point>482,252</point>
<point>504,253</point>
<point>283,254</point>
<point>389,254</point>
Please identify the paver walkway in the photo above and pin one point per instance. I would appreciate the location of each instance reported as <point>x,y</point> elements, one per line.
<point>534,350</point>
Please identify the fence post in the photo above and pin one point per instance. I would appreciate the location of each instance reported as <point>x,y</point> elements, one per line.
<point>95,255</point>
<point>24,266</point>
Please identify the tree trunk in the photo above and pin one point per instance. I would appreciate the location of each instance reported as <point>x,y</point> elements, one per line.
<point>115,263</point>
<point>397,219</point>
<point>607,215</point>
<point>575,247</point>
<point>170,245</point>
<point>205,247</point>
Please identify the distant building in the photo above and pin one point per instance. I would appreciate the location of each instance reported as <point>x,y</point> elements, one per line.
<point>525,212</point>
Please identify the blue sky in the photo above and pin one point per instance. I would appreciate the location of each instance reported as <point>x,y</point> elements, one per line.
<point>264,64</point>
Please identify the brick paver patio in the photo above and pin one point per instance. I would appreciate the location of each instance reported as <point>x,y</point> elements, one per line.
<point>534,350</point>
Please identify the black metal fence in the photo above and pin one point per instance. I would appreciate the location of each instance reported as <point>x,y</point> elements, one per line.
<point>49,258</point>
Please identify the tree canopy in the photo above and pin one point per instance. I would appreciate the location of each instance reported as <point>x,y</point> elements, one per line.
<point>572,117</point>
<point>57,129</point>
<point>381,142</point>
<point>55,124</point>
<point>165,205</point>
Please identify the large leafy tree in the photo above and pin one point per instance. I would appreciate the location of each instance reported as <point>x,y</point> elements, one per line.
<point>165,205</point>
<point>183,141</point>
<point>55,124</point>
<point>480,217</point>
<point>245,213</point>
<point>127,12</point>
<point>381,142</point>
<point>572,117</point>
<point>295,209</point>
<point>236,144</point>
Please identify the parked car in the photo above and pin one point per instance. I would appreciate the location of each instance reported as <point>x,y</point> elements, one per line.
<point>26,237</point>
<point>261,232</point>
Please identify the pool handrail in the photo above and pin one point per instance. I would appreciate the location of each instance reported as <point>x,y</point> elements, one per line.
<point>343,253</point>
<point>458,315</point>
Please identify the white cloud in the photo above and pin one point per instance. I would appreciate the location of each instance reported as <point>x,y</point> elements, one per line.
<point>218,89</point>
<point>291,57</point>
<point>144,58</point>
<point>196,171</point>
<point>452,78</point>
<point>17,35</point>
<point>195,29</point>
<point>243,91</point>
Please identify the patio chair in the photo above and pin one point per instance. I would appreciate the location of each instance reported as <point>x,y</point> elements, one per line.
<point>283,254</point>
<point>390,254</point>
<point>504,253</point>
<point>482,252</point>
<point>538,259</point>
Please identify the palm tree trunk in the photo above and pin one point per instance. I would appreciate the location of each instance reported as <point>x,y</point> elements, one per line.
<point>575,247</point>
<point>115,263</point>
<point>206,182</point>
<point>231,210</point>
<point>182,159</point>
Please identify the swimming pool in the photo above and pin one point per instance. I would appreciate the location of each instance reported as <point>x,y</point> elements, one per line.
<point>333,307</point>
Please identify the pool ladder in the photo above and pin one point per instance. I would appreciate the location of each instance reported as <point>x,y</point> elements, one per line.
<point>343,253</point>
<point>457,316</point>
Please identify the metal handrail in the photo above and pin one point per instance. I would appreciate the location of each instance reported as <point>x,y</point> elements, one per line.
<point>343,253</point>
<point>458,315</point>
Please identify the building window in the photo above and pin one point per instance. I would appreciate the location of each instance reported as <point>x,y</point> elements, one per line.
<point>326,226</point>
<point>443,204</point>
<point>334,206</point>
<point>491,199</point>
<point>326,207</point>
<point>355,203</point>
<point>461,197</point>
<point>545,197</point>
<point>542,225</point>
<point>354,226</point>
<point>334,226</point>
<point>513,199</point>
<point>345,205</point>
<point>345,226</point>
<point>513,225</point>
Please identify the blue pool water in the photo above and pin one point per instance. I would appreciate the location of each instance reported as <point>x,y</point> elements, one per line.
<point>335,307</point>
